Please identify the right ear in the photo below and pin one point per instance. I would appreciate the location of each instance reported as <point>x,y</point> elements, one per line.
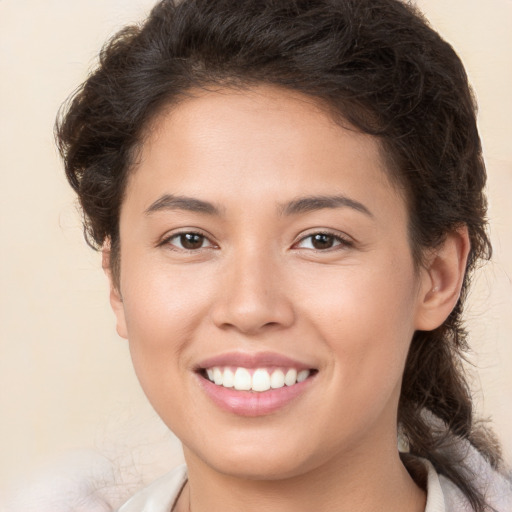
<point>116,299</point>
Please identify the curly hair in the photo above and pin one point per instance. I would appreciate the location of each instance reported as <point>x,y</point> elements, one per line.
<point>377,64</point>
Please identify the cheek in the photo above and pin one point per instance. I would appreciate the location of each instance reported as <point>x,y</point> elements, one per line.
<point>162,309</point>
<point>365,318</point>
<point>158,297</point>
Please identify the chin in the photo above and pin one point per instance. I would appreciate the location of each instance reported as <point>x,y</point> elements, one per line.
<point>255,462</point>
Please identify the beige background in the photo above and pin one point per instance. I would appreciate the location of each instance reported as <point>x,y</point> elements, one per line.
<point>66,381</point>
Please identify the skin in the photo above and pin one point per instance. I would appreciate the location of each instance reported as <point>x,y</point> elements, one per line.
<point>256,283</point>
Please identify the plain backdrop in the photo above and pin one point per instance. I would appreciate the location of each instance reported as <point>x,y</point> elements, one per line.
<point>66,381</point>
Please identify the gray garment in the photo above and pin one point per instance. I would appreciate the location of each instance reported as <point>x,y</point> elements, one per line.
<point>442,494</point>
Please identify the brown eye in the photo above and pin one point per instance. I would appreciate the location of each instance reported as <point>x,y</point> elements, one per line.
<point>322,241</point>
<point>189,241</point>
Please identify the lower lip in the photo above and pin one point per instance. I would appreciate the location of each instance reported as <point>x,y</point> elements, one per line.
<point>251,403</point>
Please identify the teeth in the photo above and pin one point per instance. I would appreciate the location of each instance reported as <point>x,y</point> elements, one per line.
<point>302,375</point>
<point>217,376</point>
<point>228,380</point>
<point>277,379</point>
<point>242,380</point>
<point>291,377</point>
<point>260,380</point>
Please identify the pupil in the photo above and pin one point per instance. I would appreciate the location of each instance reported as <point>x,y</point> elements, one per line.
<point>321,241</point>
<point>191,241</point>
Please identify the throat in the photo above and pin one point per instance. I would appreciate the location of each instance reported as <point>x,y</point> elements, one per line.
<point>321,490</point>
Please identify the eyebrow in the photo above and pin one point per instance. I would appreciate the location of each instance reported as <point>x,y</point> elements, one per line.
<point>191,204</point>
<point>297,206</point>
<point>313,203</point>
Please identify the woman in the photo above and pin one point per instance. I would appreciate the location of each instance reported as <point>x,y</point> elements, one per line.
<point>289,200</point>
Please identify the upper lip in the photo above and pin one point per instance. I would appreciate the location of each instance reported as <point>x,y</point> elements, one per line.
<point>253,360</point>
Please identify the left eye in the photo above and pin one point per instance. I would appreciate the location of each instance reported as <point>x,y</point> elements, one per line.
<point>189,241</point>
<point>321,241</point>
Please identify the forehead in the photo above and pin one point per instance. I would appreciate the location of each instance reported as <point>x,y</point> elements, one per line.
<point>264,140</point>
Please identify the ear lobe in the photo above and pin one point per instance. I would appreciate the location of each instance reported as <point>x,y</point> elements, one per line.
<point>116,299</point>
<point>442,280</point>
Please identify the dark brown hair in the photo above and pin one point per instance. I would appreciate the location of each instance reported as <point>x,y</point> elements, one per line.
<point>377,64</point>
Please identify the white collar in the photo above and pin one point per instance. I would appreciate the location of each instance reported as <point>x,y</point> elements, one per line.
<point>442,494</point>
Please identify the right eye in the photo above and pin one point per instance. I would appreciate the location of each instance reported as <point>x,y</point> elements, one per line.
<point>189,241</point>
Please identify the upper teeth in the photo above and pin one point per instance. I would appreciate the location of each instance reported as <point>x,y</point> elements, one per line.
<point>260,379</point>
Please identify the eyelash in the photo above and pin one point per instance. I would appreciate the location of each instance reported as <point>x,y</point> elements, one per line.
<point>168,241</point>
<point>339,241</point>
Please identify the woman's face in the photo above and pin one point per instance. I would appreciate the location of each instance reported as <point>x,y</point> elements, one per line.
<point>262,244</point>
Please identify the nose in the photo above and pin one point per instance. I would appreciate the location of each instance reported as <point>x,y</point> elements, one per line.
<point>253,296</point>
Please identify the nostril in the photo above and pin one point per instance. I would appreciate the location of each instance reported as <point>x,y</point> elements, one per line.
<point>271,324</point>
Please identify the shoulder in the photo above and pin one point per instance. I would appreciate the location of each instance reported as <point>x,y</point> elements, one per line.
<point>444,496</point>
<point>160,496</point>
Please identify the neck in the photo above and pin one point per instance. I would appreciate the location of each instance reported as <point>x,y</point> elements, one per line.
<point>364,480</point>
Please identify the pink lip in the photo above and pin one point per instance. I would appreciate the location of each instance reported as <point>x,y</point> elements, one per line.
<point>258,360</point>
<point>250,403</point>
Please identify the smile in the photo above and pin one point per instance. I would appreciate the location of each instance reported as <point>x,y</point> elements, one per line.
<point>254,384</point>
<point>255,379</point>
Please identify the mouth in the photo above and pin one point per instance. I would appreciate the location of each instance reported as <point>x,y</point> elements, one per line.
<point>257,380</point>
<point>254,385</point>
